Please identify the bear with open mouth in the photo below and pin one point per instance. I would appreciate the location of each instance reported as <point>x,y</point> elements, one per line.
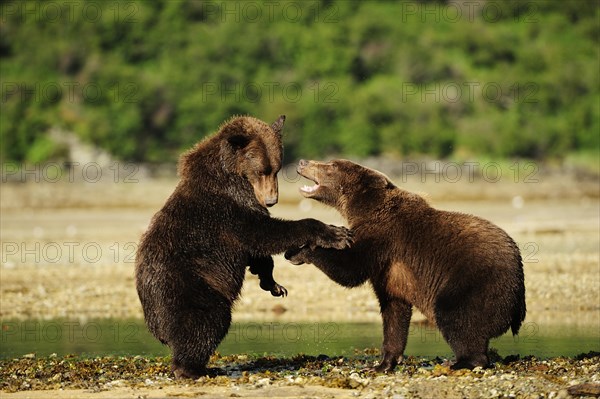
<point>462,272</point>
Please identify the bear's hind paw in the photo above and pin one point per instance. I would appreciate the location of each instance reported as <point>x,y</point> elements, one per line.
<point>279,290</point>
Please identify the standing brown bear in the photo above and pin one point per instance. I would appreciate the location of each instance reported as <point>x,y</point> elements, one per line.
<point>191,261</point>
<point>462,272</point>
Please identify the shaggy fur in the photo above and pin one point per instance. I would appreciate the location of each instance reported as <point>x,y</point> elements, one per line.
<point>191,261</point>
<point>462,272</point>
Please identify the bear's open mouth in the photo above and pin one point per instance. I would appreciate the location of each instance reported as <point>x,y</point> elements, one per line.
<point>309,189</point>
<point>306,189</point>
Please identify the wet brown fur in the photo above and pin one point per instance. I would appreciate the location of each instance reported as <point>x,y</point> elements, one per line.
<point>462,272</point>
<point>191,261</point>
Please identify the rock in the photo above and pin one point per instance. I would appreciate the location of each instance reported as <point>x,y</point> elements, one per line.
<point>263,382</point>
<point>562,394</point>
<point>355,380</point>
<point>587,389</point>
<point>115,383</point>
<point>353,383</point>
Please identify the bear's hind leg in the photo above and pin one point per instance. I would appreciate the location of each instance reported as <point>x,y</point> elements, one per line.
<point>470,353</point>
<point>464,327</point>
<point>195,337</point>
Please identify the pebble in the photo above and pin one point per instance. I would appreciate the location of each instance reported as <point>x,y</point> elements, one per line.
<point>263,382</point>
<point>355,380</point>
<point>115,383</point>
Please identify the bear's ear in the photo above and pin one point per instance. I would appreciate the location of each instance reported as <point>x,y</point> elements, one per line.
<point>277,126</point>
<point>238,141</point>
<point>381,181</point>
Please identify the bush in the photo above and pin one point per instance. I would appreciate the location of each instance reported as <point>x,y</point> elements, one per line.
<point>146,79</point>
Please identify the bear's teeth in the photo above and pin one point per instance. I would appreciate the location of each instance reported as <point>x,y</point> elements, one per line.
<point>309,189</point>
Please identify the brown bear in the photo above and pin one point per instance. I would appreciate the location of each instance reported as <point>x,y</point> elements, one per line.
<point>191,261</point>
<point>462,272</point>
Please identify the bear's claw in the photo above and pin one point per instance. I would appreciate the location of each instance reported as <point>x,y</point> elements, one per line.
<point>274,288</point>
<point>278,290</point>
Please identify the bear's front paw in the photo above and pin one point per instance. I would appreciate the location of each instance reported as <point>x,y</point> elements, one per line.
<point>336,237</point>
<point>296,256</point>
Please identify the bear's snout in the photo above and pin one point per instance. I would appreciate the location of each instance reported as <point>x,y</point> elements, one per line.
<point>303,163</point>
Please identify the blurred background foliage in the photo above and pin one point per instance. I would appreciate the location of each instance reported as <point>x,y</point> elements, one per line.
<point>145,80</point>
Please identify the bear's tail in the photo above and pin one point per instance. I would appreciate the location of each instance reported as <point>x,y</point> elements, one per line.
<point>520,308</point>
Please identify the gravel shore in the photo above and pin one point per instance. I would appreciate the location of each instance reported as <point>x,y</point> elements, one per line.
<point>302,376</point>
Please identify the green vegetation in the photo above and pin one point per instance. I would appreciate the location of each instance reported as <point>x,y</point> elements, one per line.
<point>143,80</point>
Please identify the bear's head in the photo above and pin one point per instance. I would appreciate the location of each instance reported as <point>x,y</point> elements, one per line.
<point>342,184</point>
<point>253,150</point>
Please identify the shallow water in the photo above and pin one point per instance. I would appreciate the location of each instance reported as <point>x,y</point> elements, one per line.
<point>130,337</point>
